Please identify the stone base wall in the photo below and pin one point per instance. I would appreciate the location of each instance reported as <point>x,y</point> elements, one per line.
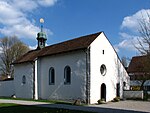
<point>133,94</point>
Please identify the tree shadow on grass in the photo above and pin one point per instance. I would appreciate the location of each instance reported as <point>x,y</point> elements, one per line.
<point>13,108</point>
<point>53,108</point>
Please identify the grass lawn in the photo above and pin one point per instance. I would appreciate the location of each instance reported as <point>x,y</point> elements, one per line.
<point>48,101</point>
<point>14,108</point>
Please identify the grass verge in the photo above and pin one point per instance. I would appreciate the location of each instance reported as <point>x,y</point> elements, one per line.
<point>47,101</point>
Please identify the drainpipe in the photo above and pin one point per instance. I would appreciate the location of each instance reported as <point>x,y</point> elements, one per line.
<point>87,75</point>
<point>33,66</point>
<point>36,79</point>
<point>35,93</point>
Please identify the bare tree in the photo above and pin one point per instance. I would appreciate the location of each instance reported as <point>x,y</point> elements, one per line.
<point>11,48</point>
<point>124,61</point>
<point>143,47</point>
<point>144,39</point>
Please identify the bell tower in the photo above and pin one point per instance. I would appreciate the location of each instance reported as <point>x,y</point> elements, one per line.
<point>41,36</point>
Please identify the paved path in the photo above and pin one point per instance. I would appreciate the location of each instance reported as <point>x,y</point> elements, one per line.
<point>141,106</point>
<point>117,107</point>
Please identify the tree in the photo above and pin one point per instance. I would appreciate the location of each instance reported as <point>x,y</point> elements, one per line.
<point>11,48</point>
<point>143,47</point>
<point>124,61</point>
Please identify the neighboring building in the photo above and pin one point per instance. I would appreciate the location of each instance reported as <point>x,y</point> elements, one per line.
<point>139,73</point>
<point>85,68</point>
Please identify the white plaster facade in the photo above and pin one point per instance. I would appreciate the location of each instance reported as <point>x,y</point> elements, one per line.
<point>102,52</point>
<point>75,90</point>
<point>24,90</point>
<point>86,79</point>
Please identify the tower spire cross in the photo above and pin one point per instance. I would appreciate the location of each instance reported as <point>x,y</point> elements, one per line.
<point>41,21</point>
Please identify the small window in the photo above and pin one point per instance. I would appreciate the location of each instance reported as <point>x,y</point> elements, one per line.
<point>51,76</point>
<point>67,75</point>
<point>103,69</point>
<point>24,79</point>
<point>124,84</point>
<point>103,52</point>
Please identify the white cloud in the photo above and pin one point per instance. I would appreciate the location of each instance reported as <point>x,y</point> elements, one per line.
<point>129,42</point>
<point>132,22</point>
<point>47,2</point>
<point>24,5</point>
<point>116,48</point>
<point>14,17</point>
<point>126,43</point>
<point>125,35</point>
<point>34,47</point>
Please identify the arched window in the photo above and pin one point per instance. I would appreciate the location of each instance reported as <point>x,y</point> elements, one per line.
<point>51,76</point>
<point>24,79</point>
<point>67,75</point>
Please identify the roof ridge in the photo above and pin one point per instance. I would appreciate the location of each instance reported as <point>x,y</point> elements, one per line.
<point>139,56</point>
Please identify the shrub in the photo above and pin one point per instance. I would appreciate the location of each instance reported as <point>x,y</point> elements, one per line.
<point>101,101</point>
<point>116,99</point>
<point>77,102</point>
<point>145,98</point>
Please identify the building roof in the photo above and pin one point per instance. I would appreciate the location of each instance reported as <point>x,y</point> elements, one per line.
<point>67,46</point>
<point>137,64</point>
<point>28,57</point>
<point>139,83</point>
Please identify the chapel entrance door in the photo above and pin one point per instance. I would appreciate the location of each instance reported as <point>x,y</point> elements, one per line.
<point>103,92</point>
<point>118,90</point>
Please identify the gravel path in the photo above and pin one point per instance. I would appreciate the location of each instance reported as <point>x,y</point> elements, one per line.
<point>112,107</point>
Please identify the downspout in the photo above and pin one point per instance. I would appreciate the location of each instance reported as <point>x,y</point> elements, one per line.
<point>36,79</point>
<point>33,64</point>
<point>35,93</point>
<point>88,75</point>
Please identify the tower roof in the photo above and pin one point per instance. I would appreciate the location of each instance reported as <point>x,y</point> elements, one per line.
<point>41,35</point>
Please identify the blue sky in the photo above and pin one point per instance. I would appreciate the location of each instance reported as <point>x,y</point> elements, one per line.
<point>67,19</point>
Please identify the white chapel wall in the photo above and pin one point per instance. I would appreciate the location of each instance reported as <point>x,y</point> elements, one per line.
<point>23,90</point>
<point>77,89</point>
<point>103,53</point>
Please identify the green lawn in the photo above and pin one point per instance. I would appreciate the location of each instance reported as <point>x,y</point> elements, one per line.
<point>14,108</point>
<point>48,101</point>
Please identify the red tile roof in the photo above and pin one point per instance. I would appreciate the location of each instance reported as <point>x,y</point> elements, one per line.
<point>28,57</point>
<point>70,45</point>
<point>137,64</point>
